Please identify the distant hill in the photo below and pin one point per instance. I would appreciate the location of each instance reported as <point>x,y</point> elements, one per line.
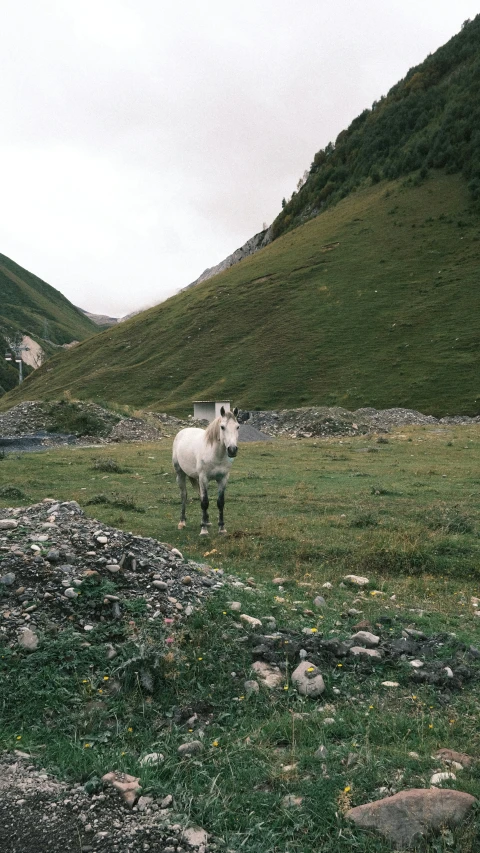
<point>100,319</point>
<point>31,307</point>
<point>368,295</point>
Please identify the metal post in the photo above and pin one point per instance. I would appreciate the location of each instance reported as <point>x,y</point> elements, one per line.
<point>17,351</point>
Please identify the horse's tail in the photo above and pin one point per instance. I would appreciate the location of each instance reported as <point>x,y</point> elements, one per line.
<point>194,482</point>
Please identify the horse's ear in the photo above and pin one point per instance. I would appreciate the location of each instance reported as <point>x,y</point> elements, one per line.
<point>235,411</point>
<point>222,411</point>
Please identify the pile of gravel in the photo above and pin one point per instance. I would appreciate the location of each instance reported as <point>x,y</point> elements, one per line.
<point>49,550</point>
<point>32,417</point>
<point>320,421</point>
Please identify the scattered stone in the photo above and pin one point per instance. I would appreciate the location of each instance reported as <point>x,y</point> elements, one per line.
<point>308,680</point>
<point>319,601</point>
<point>444,776</point>
<point>8,524</point>
<point>327,585</point>
<point>269,675</point>
<point>390,684</point>
<point>177,553</point>
<point>279,581</point>
<point>405,818</point>
<point>160,585</point>
<point>70,593</point>
<point>251,621</point>
<point>412,632</point>
<point>417,664</point>
<point>193,747</point>
<point>366,638</point>
<point>291,801</point>
<point>8,579</point>
<point>28,640</point>
<point>359,651</point>
<point>251,687</point>
<point>153,758</point>
<point>321,753</point>
<point>236,606</point>
<point>195,837</point>
<point>127,786</point>
<point>186,580</point>
<point>356,580</point>
<point>450,755</point>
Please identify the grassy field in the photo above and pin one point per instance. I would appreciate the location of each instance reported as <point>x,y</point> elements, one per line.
<point>374,302</point>
<point>404,511</point>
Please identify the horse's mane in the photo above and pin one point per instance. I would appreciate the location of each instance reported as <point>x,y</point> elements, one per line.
<point>212,432</point>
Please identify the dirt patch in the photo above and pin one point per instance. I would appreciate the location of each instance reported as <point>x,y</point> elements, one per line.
<point>39,813</point>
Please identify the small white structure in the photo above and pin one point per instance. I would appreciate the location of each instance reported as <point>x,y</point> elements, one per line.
<point>208,410</point>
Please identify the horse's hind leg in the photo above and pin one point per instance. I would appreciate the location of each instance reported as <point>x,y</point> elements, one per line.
<point>203,484</point>
<point>220,504</point>
<point>182,485</point>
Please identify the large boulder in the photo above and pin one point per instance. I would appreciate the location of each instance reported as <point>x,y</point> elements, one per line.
<point>406,817</point>
<point>308,680</point>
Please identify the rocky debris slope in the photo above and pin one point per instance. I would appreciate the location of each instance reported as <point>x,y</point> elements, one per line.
<point>58,567</point>
<point>258,241</point>
<point>319,421</point>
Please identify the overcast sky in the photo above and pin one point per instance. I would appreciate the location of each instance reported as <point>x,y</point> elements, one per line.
<point>142,141</point>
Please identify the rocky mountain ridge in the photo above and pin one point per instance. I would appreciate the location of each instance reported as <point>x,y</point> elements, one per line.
<point>254,244</point>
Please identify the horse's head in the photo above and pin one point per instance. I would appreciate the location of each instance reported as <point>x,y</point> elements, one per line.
<point>229,431</point>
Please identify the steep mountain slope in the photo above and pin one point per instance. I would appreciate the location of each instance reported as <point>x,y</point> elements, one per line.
<point>373,302</point>
<point>430,119</point>
<point>30,306</point>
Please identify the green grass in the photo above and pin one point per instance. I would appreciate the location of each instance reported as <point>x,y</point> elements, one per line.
<point>385,318</point>
<point>310,511</point>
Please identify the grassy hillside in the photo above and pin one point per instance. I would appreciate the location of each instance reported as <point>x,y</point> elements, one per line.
<point>374,302</point>
<point>430,119</point>
<point>30,306</point>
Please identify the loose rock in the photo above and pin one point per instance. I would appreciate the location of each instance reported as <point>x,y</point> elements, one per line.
<point>405,818</point>
<point>127,786</point>
<point>308,680</point>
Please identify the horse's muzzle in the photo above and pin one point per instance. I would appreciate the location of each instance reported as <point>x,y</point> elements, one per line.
<point>232,452</point>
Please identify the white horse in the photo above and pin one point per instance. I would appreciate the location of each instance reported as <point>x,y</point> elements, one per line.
<point>203,455</point>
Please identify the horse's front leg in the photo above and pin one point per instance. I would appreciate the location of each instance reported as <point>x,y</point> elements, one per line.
<point>222,485</point>
<point>203,484</point>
